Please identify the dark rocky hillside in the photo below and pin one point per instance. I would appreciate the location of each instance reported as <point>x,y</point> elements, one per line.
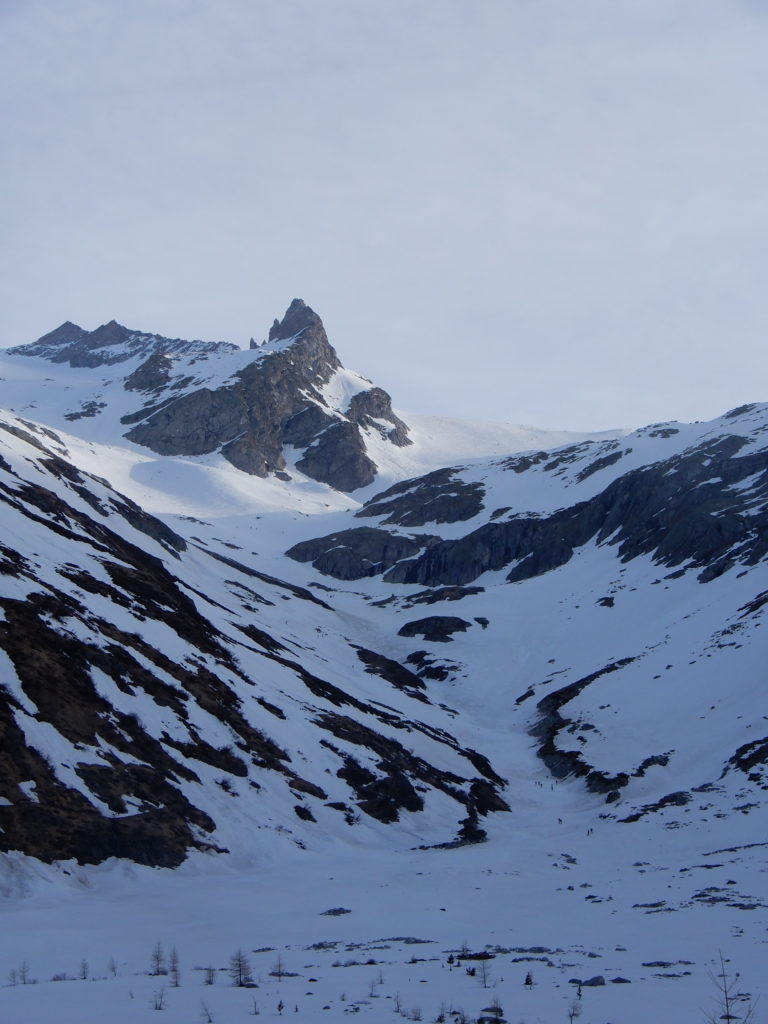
<point>170,701</point>
<point>689,510</point>
<point>198,400</point>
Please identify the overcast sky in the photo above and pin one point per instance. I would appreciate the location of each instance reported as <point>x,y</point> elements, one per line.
<point>542,211</point>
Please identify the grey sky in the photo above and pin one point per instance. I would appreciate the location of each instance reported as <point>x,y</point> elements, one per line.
<point>545,211</point>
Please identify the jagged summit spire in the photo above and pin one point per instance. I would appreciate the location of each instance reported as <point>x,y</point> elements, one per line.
<point>298,317</point>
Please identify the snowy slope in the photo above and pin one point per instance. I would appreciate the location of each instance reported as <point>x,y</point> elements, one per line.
<point>503,699</point>
<point>182,674</point>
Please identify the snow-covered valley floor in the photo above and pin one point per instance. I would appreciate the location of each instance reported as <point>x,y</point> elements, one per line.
<point>647,907</point>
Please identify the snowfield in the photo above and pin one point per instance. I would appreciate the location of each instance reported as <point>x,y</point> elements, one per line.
<point>647,912</point>
<point>613,701</point>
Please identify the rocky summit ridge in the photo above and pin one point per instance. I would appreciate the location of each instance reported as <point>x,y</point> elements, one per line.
<point>198,398</point>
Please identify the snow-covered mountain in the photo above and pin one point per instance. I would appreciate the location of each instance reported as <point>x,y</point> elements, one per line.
<point>251,614</point>
<point>194,398</point>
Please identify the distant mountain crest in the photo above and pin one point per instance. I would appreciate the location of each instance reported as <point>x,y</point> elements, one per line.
<point>108,344</point>
<point>201,397</point>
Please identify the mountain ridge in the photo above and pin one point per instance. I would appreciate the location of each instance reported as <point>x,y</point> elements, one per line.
<point>254,405</point>
<point>688,499</point>
<point>517,669</point>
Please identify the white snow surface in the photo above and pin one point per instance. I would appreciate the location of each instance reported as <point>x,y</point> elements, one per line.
<point>563,888</point>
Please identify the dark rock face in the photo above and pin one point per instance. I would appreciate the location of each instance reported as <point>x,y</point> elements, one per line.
<point>306,424</point>
<point>436,628</point>
<point>152,374</point>
<point>375,404</point>
<point>299,319</point>
<point>438,497</point>
<point>431,668</point>
<point>193,426</point>
<point>680,511</point>
<point>393,672</point>
<point>601,463</point>
<point>551,722</point>
<point>678,799</point>
<point>55,672</point>
<point>383,796</point>
<point>338,458</point>
<point>274,401</point>
<point>751,755</point>
<point>68,334</point>
<point>247,417</point>
<point>354,554</point>
<point>90,350</point>
<point>442,594</point>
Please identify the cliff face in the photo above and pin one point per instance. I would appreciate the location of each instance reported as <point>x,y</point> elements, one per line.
<point>247,418</point>
<point>201,398</point>
<point>700,507</point>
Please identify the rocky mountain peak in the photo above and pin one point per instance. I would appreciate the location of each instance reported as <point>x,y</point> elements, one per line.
<point>281,399</point>
<point>66,334</point>
<point>69,343</point>
<point>288,400</point>
<point>108,345</point>
<point>303,329</point>
<point>299,317</point>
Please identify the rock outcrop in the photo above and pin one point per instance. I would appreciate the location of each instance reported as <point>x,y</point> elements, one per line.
<point>439,497</point>
<point>690,510</point>
<point>357,553</point>
<point>194,404</point>
<point>246,418</point>
<point>683,511</point>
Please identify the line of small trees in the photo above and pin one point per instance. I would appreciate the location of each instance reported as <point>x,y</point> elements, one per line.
<point>160,966</point>
<point>731,1004</point>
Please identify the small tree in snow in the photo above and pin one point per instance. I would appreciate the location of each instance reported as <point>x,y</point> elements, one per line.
<point>728,998</point>
<point>173,968</point>
<point>495,1009</point>
<point>157,961</point>
<point>240,969</point>
<point>574,1011</point>
<point>485,973</point>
